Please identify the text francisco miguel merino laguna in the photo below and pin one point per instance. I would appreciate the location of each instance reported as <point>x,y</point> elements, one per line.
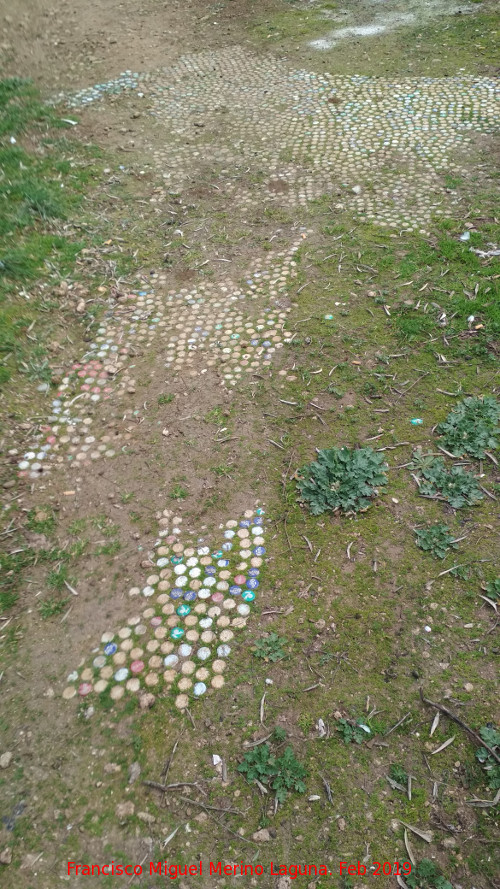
<point>173,871</point>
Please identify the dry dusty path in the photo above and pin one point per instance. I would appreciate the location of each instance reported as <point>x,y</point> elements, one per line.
<point>268,234</point>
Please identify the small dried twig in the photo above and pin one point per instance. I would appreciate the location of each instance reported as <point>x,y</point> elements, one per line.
<point>70,588</point>
<point>286,534</point>
<point>394,727</point>
<point>448,454</point>
<point>477,738</point>
<point>435,723</point>
<point>165,787</point>
<point>248,744</point>
<point>426,374</point>
<point>423,834</point>
<point>488,493</point>
<point>318,406</point>
<point>399,444</point>
<point>285,477</point>
<point>409,849</point>
<point>70,609</point>
<point>484,803</point>
<point>463,565</point>
<point>443,746</point>
<point>193,802</point>
<point>328,789</point>
<point>172,835</point>
<point>395,785</point>
<point>262,704</point>
<point>489,602</point>
<point>166,767</point>
<point>142,862</point>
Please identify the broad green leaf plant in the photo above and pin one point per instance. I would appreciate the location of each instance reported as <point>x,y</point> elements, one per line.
<point>342,480</point>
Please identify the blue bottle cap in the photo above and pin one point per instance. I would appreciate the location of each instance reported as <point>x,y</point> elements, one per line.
<point>110,648</point>
<point>210,569</point>
<point>176,593</point>
<point>235,591</point>
<point>190,596</point>
<point>259,551</point>
<point>253,572</point>
<point>252,583</point>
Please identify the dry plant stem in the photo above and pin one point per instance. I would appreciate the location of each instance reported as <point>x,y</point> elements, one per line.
<point>168,763</point>
<point>164,787</point>
<point>477,738</point>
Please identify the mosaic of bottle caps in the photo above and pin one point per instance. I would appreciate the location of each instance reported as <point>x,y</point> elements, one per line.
<point>236,327</point>
<point>186,617</point>
<point>383,146</point>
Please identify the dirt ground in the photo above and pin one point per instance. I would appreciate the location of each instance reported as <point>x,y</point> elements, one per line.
<point>75,44</point>
<point>275,260</point>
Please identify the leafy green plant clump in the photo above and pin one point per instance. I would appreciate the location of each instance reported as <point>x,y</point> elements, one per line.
<point>353,732</point>
<point>279,734</point>
<point>42,521</point>
<point>282,774</point>
<point>51,606</point>
<point>435,540</point>
<point>455,485</point>
<point>492,589</point>
<point>426,875</point>
<point>471,427</point>
<point>399,774</point>
<point>342,479</point>
<point>491,737</point>
<point>270,648</point>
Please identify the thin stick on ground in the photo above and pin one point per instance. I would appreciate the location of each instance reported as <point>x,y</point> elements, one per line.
<point>477,738</point>
<point>166,768</point>
<point>394,727</point>
<point>165,787</point>
<point>231,831</point>
<point>285,478</point>
<point>188,800</point>
<point>196,802</point>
